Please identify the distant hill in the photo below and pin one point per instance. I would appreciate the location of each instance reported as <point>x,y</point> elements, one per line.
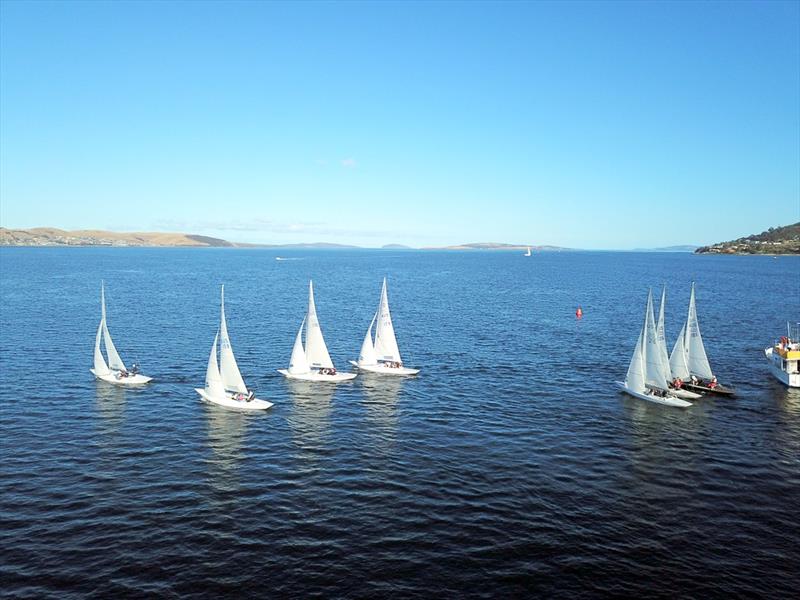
<point>50,236</point>
<point>686,248</point>
<point>311,245</point>
<point>498,246</point>
<point>396,247</point>
<point>775,240</point>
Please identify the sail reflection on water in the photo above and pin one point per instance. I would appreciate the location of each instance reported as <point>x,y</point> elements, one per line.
<point>310,414</point>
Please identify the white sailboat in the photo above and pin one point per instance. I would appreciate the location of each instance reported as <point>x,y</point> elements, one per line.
<point>312,362</point>
<point>662,348</point>
<point>527,252</point>
<point>224,383</point>
<point>382,355</point>
<point>114,371</point>
<point>646,378</point>
<point>689,360</point>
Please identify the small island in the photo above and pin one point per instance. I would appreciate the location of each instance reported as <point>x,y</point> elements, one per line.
<point>496,246</point>
<point>775,240</point>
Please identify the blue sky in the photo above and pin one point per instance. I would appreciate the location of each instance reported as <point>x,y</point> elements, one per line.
<point>593,125</point>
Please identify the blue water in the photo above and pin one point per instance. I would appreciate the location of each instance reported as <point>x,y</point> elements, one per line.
<point>510,466</point>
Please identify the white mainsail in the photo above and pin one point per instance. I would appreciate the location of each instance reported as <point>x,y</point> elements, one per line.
<point>677,360</point>
<point>660,334</point>
<point>100,366</point>
<point>229,370</point>
<point>367,355</point>
<point>697,359</point>
<point>385,340</point>
<point>655,370</point>
<point>114,359</point>
<point>214,385</point>
<point>298,362</point>
<point>634,379</point>
<point>316,350</point>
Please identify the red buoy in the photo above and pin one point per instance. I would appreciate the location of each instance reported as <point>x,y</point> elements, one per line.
<point>579,313</point>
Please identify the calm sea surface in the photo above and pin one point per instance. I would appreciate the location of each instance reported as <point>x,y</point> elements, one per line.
<point>509,466</point>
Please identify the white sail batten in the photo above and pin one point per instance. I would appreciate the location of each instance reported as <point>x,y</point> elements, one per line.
<point>229,370</point>
<point>677,360</point>
<point>298,362</point>
<point>367,355</point>
<point>655,373</point>
<point>697,359</point>
<point>385,340</point>
<point>114,359</point>
<point>214,385</point>
<point>316,350</point>
<point>100,366</point>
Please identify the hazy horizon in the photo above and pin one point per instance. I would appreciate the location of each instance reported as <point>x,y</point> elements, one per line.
<point>581,125</point>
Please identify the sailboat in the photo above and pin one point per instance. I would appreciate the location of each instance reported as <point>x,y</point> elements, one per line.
<point>662,351</point>
<point>689,361</point>
<point>527,252</point>
<point>382,355</point>
<point>224,383</point>
<point>646,378</point>
<point>113,371</point>
<point>312,361</point>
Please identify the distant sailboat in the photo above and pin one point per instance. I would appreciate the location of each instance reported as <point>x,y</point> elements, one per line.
<point>528,252</point>
<point>382,355</point>
<point>224,383</point>
<point>312,362</point>
<point>646,378</point>
<point>113,371</point>
<point>689,361</point>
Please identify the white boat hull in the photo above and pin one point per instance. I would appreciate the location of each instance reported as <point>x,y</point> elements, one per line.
<point>382,369</point>
<point>790,379</point>
<point>314,376</point>
<point>685,394</point>
<point>666,401</point>
<point>112,377</point>
<point>228,402</point>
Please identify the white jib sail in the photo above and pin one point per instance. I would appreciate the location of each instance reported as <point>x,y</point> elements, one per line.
<point>114,359</point>
<point>634,380</point>
<point>385,340</point>
<point>660,334</point>
<point>214,386</point>
<point>229,370</point>
<point>677,360</point>
<point>367,355</point>
<point>698,361</point>
<point>298,362</point>
<point>655,371</point>
<point>316,350</point>
<point>100,366</point>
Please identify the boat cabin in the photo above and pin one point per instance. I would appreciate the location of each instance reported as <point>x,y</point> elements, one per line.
<point>789,353</point>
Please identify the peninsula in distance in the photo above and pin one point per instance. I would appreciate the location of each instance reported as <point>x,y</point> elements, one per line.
<point>776,240</point>
<point>51,236</point>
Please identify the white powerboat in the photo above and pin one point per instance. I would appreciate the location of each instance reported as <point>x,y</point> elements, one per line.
<point>784,357</point>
